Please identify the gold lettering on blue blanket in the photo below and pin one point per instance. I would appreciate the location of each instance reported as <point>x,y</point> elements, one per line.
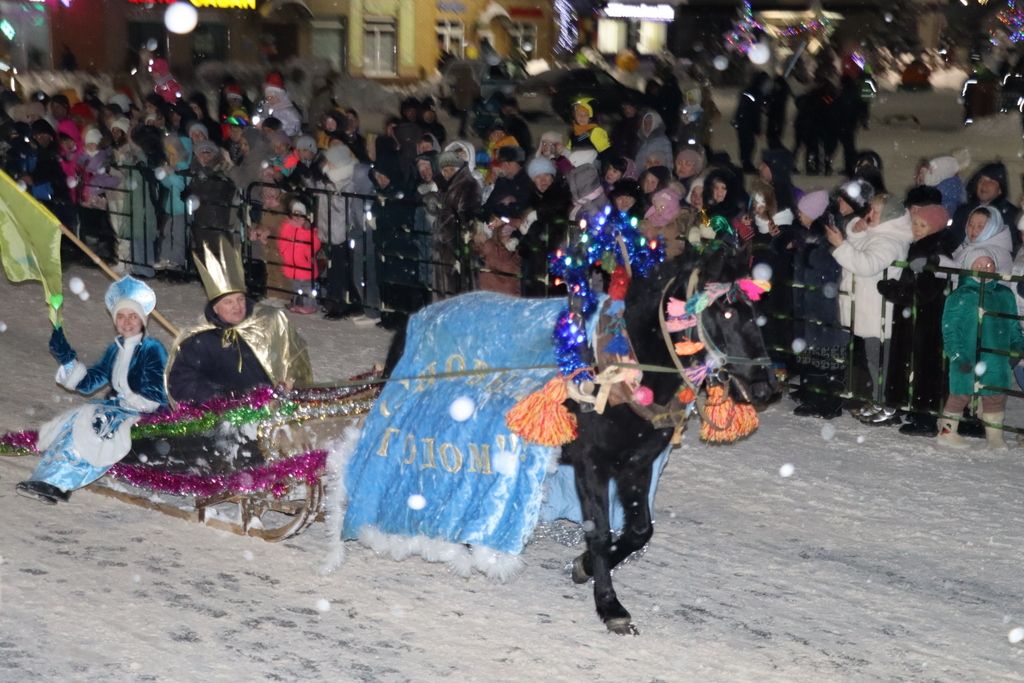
<point>451,456</point>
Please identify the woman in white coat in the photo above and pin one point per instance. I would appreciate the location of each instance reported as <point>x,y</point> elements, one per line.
<point>865,254</point>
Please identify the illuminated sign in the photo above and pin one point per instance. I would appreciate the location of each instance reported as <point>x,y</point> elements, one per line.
<point>7,29</point>
<point>618,10</point>
<point>215,4</point>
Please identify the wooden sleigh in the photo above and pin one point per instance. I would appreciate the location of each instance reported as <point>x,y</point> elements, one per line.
<point>253,465</point>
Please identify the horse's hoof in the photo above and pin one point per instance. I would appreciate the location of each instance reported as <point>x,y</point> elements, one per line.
<point>579,573</point>
<point>622,626</point>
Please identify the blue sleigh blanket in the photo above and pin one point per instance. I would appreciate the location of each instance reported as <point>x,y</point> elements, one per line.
<point>421,468</point>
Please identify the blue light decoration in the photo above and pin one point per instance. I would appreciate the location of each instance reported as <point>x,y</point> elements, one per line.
<point>1013,19</point>
<point>597,247</point>
<point>568,34</point>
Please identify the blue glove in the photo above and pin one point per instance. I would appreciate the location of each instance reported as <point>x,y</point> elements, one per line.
<point>60,348</point>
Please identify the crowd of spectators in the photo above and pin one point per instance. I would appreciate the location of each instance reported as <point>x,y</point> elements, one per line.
<point>375,226</point>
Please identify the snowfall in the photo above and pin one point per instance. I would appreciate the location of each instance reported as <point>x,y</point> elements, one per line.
<point>812,551</point>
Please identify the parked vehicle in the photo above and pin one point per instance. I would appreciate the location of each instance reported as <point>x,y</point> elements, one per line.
<point>492,78</point>
<point>553,92</point>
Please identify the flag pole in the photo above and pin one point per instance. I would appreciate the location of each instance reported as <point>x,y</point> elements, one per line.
<point>156,315</point>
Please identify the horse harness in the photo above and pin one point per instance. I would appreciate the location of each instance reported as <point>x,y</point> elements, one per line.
<point>617,375</point>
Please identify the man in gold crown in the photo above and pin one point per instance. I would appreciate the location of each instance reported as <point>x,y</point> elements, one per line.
<point>237,345</point>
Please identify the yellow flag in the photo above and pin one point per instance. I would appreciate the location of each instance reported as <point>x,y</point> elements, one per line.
<point>30,242</point>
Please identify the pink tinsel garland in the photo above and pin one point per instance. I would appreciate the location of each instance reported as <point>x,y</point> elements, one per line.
<point>272,477</point>
<point>26,440</point>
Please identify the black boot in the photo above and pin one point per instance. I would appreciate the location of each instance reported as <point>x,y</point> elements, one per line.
<point>41,491</point>
<point>970,425</point>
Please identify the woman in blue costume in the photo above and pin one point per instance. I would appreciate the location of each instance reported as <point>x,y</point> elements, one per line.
<point>80,445</point>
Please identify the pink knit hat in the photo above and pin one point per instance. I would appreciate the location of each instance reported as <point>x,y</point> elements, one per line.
<point>934,215</point>
<point>813,204</point>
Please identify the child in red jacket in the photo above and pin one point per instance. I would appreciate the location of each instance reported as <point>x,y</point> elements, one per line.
<point>298,245</point>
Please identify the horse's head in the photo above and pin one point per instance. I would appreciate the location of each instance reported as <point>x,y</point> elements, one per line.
<point>712,320</point>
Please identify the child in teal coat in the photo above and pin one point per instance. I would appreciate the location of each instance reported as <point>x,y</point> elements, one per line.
<point>967,373</point>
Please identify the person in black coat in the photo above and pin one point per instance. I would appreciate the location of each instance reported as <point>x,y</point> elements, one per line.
<point>546,227</point>
<point>776,169</point>
<point>513,187</point>
<point>849,109</point>
<point>460,206</point>
<point>815,125</point>
<point>987,187</point>
<point>776,104</point>
<point>915,376</point>
<point>429,123</point>
<point>213,193</point>
<point>398,268</point>
<point>624,134</point>
<point>515,124</point>
<point>748,119</point>
<point>816,313</point>
<point>723,194</point>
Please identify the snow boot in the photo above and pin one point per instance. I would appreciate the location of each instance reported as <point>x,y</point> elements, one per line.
<point>994,434</point>
<point>37,490</point>
<point>948,436</point>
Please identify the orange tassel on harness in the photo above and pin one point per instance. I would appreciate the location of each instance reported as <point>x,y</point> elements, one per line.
<point>723,420</point>
<point>542,417</point>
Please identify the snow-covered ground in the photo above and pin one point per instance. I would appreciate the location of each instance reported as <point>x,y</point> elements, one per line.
<point>879,558</point>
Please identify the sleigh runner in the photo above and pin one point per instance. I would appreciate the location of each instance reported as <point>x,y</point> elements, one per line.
<point>249,465</point>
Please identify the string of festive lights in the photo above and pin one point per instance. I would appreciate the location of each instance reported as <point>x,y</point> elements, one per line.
<point>598,246</point>
<point>568,35</point>
<point>744,33</point>
<point>1013,19</point>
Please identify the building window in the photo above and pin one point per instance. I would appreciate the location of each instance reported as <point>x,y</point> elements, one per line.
<point>451,37</point>
<point>209,41</point>
<point>524,37</point>
<point>329,43</point>
<point>380,47</point>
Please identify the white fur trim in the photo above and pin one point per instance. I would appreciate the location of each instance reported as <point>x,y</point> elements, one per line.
<point>70,374</point>
<point>137,402</point>
<point>497,566</point>
<point>784,217</point>
<point>339,451</point>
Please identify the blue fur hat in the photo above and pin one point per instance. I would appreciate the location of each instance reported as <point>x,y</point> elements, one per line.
<point>132,294</point>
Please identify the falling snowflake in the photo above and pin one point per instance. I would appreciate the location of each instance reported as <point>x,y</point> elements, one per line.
<point>416,502</point>
<point>1016,635</point>
<point>762,271</point>
<point>761,321</point>
<point>461,409</point>
<point>980,368</point>
<point>799,345</point>
<point>247,554</point>
<point>860,439</point>
<point>829,290</point>
<point>786,471</point>
<point>506,463</point>
<point>721,62</point>
<point>828,432</point>
<point>323,604</point>
<point>3,327</point>
<point>76,286</point>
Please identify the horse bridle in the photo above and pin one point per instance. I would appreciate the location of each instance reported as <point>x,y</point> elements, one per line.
<point>716,370</point>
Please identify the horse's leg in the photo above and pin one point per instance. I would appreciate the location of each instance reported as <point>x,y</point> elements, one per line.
<point>633,489</point>
<point>592,489</point>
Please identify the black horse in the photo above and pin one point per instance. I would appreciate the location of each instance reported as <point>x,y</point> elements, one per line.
<point>620,444</point>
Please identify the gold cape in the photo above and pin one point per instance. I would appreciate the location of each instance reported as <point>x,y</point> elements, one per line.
<point>279,348</point>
